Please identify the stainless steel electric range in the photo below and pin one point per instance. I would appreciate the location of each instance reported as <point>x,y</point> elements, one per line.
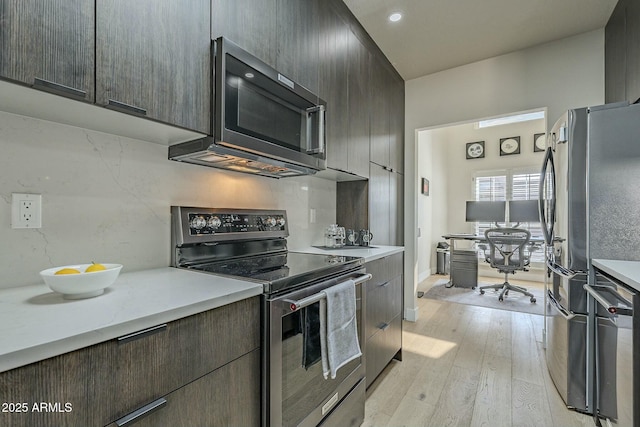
<point>251,245</point>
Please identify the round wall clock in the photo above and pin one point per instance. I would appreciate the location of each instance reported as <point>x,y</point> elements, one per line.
<point>510,146</point>
<point>475,150</point>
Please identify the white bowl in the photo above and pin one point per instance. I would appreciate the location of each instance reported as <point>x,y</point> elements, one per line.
<point>83,285</point>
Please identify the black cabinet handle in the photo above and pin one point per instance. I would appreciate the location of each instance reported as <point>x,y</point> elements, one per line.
<point>58,88</point>
<point>384,326</point>
<point>139,414</point>
<point>127,108</point>
<point>141,334</point>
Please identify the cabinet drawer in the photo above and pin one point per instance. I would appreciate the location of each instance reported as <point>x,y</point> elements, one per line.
<point>154,364</point>
<point>464,256</point>
<point>385,269</point>
<point>381,348</point>
<point>384,302</point>
<point>228,396</point>
<point>76,378</point>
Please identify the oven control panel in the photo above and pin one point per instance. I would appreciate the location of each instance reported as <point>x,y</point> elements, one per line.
<point>218,223</point>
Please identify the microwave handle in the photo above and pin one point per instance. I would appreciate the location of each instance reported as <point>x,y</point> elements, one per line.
<point>319,109</point>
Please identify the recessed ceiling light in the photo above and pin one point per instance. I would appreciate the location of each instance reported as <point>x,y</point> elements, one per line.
<point>249,75</point>
<point>395,17</point>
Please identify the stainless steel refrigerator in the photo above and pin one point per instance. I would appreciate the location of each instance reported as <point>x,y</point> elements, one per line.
<point>590,208</point>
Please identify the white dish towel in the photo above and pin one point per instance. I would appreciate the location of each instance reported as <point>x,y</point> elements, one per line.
<point>338,328</point>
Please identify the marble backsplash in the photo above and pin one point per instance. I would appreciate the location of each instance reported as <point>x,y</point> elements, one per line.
<point>107,198</point>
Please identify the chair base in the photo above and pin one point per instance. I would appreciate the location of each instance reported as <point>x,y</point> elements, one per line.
<point>505,288</point>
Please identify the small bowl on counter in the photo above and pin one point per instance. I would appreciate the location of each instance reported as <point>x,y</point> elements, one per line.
<point>83,284</point>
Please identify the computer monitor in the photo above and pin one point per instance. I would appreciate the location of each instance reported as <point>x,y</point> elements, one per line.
<point>486,211</point>
<point>523,211</point>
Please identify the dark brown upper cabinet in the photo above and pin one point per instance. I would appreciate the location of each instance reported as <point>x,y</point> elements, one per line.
<point>380,108</point>
<point>153,59</point>
<point>49,44</point>
<point>297,41</point>
<point>251,24</point>
<point>387,116</point>
<point>396,125</point>
<point>359,113</point>
<point>343,84</point>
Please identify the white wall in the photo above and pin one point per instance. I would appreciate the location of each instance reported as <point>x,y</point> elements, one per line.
<point>107,198</point>
<point>558,75</point>
<point>433,158</point>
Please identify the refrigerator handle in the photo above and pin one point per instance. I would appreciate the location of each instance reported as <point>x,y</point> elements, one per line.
<point>547,222</point>
<point>563,312</point>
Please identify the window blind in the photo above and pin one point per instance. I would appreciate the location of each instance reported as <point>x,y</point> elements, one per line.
<point>509,185</point>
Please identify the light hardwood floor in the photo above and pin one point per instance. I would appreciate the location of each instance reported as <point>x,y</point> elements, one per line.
<point>469,366</point>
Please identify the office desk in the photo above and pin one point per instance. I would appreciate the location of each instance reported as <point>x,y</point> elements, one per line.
<point>464,261</point>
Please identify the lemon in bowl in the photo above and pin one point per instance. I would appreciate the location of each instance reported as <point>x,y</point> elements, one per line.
<point>81,280</point>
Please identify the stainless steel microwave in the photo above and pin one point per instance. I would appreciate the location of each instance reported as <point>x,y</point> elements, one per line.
<point>264,123</point>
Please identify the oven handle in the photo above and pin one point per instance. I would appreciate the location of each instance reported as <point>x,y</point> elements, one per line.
<point>595,292</point>
<point>312,299</point>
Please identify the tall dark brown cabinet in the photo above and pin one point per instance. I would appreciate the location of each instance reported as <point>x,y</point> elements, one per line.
<point>622,53</point>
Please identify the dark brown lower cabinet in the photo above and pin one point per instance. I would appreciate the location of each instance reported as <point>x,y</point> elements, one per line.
<point>192,371</point>
<point>383,314</point>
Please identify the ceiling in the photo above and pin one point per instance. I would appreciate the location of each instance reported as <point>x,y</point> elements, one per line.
<point>436,35</point>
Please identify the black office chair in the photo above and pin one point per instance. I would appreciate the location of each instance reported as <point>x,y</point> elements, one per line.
<point>507,255</point>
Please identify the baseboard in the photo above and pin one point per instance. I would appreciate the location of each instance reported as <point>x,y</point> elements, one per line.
<point>411,314</point>
<point>422,276</point>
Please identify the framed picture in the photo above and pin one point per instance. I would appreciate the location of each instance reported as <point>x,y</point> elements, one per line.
<point>539,142</point>
<point>425,186</point>
<point>475,150</point>
<point>509,146</point>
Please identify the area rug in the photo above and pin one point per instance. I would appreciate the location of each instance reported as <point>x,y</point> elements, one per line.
<point>515,301</point>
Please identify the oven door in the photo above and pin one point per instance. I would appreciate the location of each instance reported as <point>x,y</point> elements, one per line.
<point>295,392</point>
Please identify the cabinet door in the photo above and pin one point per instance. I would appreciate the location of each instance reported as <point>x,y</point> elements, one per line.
<point>49,44</point>
<point>251,24</point>
<point>379,212</point>
<point>153,59</point>
<point>297,54</point>
<point>615,49</point>
<point>333,45</point>
<point>229,396</point>
<point>396,125</point>
<point>359,110</point>
<point>632,80</point>
<point>380,107</point>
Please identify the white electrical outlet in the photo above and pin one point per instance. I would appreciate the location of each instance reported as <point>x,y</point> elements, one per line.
<point>26,210</point>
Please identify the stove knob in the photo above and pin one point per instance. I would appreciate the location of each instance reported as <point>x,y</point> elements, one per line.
<point>281,221</point>
<point>269,221</point>
<point>214,222</point>
<point>198,222</point>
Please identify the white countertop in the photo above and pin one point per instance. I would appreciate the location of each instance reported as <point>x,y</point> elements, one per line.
<point>368,253</point>
<point>628,272</point>
<point>37,323</point>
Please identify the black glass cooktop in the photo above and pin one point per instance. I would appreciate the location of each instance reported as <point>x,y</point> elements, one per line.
<point>282,271</point>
